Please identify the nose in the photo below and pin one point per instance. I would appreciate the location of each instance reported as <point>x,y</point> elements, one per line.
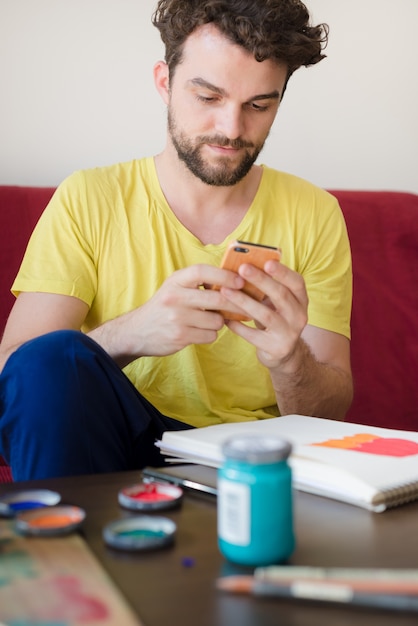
<point>230,121</point>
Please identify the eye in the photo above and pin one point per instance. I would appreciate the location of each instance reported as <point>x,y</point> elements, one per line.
<point>205,99</point>
<point>258,107</point>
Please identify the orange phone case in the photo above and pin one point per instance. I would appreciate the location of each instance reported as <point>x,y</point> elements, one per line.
<point>239,252</point>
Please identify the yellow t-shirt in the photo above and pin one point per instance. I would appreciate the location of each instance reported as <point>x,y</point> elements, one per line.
<point>109,238</point>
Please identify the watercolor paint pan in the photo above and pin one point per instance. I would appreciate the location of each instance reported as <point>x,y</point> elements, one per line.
<point>17,501</point>
<point>140,533</point>
<point>50,522</point>
<point>150,496</point>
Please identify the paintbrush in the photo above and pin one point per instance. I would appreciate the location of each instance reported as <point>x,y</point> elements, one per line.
<point>378,588</point>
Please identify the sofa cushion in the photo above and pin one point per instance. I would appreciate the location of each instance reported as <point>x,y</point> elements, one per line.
<point>383,230</point>
<point>20,208</point>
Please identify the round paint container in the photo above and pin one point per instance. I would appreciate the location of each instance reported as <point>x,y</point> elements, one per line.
<point>140,533</point>
<point>53,521</point>
<point>255,508</point>
<point>17,501</point>
<point>150,496</point>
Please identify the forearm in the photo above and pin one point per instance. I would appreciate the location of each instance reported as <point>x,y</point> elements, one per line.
<point>4,355</point>
<point>305,386</point>
<point>116,340</point>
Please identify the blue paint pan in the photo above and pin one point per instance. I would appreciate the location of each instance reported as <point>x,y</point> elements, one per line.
<point>17,501</point>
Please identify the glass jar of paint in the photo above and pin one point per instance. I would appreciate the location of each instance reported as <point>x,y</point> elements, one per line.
<point>255,508</point>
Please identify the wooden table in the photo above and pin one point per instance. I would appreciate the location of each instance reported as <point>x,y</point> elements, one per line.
<point>177,585</point>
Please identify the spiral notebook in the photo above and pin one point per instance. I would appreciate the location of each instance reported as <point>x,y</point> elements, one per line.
<point>374,468</point>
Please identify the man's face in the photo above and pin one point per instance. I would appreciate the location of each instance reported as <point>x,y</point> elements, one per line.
<point>221,105</point>
<point>225,171</point>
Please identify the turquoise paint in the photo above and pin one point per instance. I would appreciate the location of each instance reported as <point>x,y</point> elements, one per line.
<point>141,532</point>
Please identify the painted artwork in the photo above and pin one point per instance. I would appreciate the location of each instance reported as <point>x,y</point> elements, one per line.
<point>373,444</point>
<point>56,581</point>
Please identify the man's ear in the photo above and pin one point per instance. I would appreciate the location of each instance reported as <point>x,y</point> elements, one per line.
<point>162,80</point>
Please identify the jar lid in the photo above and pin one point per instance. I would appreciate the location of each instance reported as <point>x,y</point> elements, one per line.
<point>256,449</point>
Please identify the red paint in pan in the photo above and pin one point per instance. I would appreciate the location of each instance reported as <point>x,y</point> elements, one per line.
<point>150,496</point>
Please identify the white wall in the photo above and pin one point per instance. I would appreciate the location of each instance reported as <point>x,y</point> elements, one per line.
<point>77,91</point>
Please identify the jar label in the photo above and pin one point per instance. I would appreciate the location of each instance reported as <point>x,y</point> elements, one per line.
<point>234,508</point>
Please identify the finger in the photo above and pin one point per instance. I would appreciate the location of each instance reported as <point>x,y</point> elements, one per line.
<point>289,278</point>
<point>198,275</point>
<point>214,300</point>
<point>286,283</point>
<point>262,313</point>
<point>272,344</point>
<point>176,297</point>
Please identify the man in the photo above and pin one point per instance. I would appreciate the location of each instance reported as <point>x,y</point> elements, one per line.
<point>127,254</point>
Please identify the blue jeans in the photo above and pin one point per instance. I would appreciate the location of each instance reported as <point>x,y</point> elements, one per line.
<point>66,408</point>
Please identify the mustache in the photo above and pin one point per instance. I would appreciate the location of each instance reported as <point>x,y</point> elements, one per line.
<point>224,142</point>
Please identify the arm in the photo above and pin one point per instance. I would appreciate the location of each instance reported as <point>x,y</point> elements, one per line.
<point>180,313</point>
<point>317,378</point>
<point>34,314</point>
<point>309,367</point>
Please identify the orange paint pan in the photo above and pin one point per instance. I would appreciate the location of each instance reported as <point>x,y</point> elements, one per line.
<point>51,521</point>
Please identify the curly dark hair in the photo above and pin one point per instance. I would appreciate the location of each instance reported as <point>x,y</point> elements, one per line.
<point>269,29</point>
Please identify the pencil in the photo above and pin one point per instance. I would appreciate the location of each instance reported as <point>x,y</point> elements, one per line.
<point>325,591</point>
<point>387,580</point>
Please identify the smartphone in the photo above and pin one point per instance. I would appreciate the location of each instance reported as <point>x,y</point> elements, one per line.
<point>256,254</point>
<point>199,478</point>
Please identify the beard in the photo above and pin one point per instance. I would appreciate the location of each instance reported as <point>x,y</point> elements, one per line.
<point>221,175</point>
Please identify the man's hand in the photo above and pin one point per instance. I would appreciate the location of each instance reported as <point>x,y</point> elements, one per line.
<point>181,312</point>
<point>281,316</point>
<point>309,367</point>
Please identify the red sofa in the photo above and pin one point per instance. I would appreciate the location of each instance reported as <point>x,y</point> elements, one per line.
<point>383,229</point>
